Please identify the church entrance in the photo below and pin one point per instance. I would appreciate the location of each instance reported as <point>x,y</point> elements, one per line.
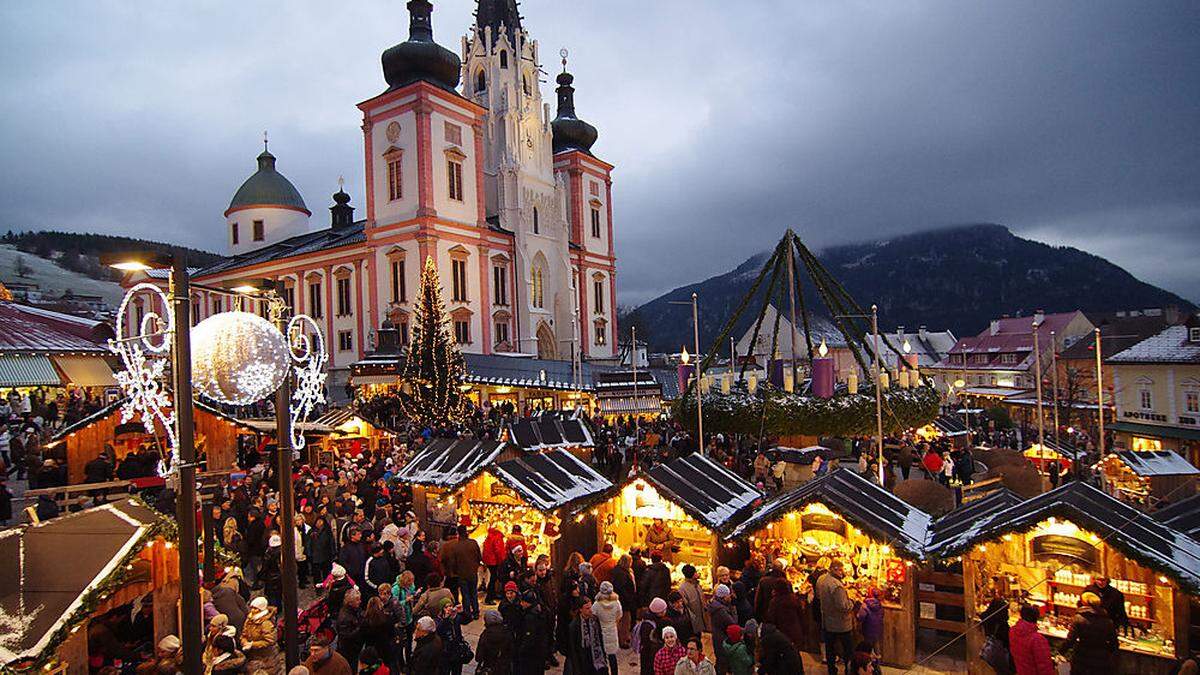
<point>545,342</point>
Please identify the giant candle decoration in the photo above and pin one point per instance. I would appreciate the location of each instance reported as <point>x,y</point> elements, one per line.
<point>685,370</point>
<point>822,373</point>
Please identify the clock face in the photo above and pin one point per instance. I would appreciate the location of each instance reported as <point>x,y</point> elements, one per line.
<point>393,132</point>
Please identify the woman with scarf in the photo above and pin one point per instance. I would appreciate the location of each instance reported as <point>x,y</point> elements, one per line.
<point>586,647</point>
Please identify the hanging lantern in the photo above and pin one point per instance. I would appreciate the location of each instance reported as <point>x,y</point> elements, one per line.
<point>238,358</point>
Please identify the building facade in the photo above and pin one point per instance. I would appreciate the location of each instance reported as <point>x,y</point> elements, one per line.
<point>510,203</point>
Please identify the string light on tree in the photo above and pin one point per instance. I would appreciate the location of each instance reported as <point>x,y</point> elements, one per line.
<point>434,370</point>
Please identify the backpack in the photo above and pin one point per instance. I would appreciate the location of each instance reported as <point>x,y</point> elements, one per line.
<point>635,644</point>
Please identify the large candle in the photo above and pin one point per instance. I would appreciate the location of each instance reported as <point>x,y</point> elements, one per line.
<point>822,377</point>
<point>684,373</point>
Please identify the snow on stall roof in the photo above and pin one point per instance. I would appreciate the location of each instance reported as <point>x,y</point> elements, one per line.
<point>1157,463</point>
<point>449,462</point>
<point>963,522</point>
<point>709,491</point>
<point>551,480</point>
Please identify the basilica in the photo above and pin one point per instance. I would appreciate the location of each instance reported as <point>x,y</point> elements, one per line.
<point>463,163</point>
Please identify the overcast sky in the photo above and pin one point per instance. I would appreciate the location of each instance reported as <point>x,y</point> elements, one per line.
<point>1071,122</point>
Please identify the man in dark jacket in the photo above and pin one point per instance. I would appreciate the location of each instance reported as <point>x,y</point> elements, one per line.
<point>531,638</point>
<point>1093,638</point>
<point>354,557</point>
<point>771,583</point>
<point>98,470</point>
<point>427,653</point>
<point>655,582</point>
<point>721,616</point>
<point>1112,601</point>
<point>777,654</point>
<point>349,627</point>
<point>461,559</point>
<point>585,642</point>
<point>494,651</point>
<point>379,569</point>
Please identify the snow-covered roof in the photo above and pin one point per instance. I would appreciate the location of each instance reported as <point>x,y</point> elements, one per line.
<point>1182,515</point>
<point>1134,533</point>
<point>1157,463</point>
<point>450,462</point>
<point>960,525</point>
<point>546,432</point>
<point>32,329</point>
<point>950,425</point>
<point>864,504</point>
<point>704,489</point>
<point>550,480</point>
<point>1169,346</point>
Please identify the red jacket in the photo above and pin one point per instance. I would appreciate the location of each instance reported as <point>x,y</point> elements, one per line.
<point>602,566</point>
<point>933,462</point>
<point>1030,650</point>
<point>493,547</point>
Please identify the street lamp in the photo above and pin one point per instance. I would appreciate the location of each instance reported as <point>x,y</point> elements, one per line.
<point>699,366</point>
<point>178,340</point>
<point>959,384</point>
<point>1037,371</point>
<point>874,316</point>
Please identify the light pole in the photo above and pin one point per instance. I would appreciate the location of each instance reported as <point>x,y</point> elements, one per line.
<point>1037,372</point>
<point>959,384</point>
<point>699,367</point>
<point>179,292</point>
<point>633,358</point>
<point>1054,386</point>
<point>874,316</point>
<point>1099,397</point>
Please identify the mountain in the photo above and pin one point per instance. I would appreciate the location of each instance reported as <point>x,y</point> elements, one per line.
<point>956,278</point>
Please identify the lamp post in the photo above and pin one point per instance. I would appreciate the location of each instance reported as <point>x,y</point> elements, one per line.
<point>959,384</point>
<point>1037,372</point>
<point>1099,397</point>
<point>179,293</point>
<point>633,358</point>
<point>1054,386</point>
<point>699,367</point>
<point>874,316</point>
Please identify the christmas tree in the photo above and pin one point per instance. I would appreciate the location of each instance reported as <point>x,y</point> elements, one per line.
<point>434,370</point>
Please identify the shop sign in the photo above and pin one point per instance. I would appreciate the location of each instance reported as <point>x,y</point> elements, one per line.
<point>499,489</point>
<point>823,522</point>
<point>1048,546</point>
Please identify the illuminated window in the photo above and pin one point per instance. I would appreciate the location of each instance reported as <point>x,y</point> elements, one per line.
<point>535,292</point>
<point>1141,444</point>
<point>601,333</point>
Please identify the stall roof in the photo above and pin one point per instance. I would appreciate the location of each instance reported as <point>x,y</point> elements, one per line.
<point>704,489</point>
<point>549,431</point>
<point>114,408</point>
<point>1068,451</point>
<point>1134,533</point>
<point>33,576</point>
<point>950,425</point>
<point>947,529</point>
<point>269,426</point>
<point>550,480</point>
<point>1156,463</point>
<point>1182,515</point>
<point>798,455</point>
<point>450,462</point>
<point>868,506</point>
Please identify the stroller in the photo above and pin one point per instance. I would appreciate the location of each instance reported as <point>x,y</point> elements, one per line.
<point>313,621</point>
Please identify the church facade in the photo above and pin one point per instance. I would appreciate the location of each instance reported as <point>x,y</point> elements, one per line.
<point>510,203</point>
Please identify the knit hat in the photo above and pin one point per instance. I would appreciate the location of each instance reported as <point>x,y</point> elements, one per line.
<point>169,644</point>
<point>511,586</point>
<point>669,630</point>
<point>722,591</point>
<point>444,602</point>
<point>259,603</point>
<point>734,632</point>
<point>338,571</point>
<point>427,624</point>
<point>606,587</point>
<point>491,617</point>
<point>275,541</point>
<point>658,605</point>
<point>1091,599</point>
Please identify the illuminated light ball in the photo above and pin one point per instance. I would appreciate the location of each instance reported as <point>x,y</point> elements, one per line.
<point>238,358</point>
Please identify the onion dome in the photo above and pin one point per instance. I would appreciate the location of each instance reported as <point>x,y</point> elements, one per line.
<point>570,132</point>
<point>267,187</point>
<point>341,214</point>
<point>420,58</point>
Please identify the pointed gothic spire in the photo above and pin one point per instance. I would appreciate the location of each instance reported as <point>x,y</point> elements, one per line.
<point>495,13</point>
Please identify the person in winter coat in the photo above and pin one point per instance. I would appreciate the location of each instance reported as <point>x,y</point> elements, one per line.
<point>607,609</point>
<point>694,663</point>
<point>668,656</point>
<point>349,627</point>
<point>494,651</point>
<point>721,617</point>
<point>378,629</point>
<point>449,629</point>
<point>427,654</point>
<point>870,618</point>
<point>603,564</point>
<point>430,602</point>
<point>786,613</point>
<point>1092,640</point>
<point>655,582</point>
<point>648,634</point>
<point>323,660</point>
<point>837,622</point>
<point>532,642</point>
<point>493,555</point>
<point>770,584</point>
<point>322,549</point>
<point>1030,649</point>
<point>514,565</point>
<point>586,650</point>
<point>777,654</point>
<point>738,659</point>
<point>229,603</point>
<point>932,463</point>
<point>589,586</point>
<point>693,600</point>
<point>419,562</point>
<point>626,589</point>
<point>338,585</point>
<point>260,640</point>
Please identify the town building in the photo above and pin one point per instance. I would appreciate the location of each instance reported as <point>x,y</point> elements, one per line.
<point>40,348</point>
<point>510,203</point>
<point>1157,392</point>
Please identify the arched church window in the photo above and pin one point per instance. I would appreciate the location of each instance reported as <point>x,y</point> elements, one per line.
<point>503,58</point>
<point>536,292</point>
<point>535,220</point>
<point>480,81</point>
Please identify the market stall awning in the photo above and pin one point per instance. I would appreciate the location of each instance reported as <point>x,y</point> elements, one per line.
<point>550,480</point>
<point>959,524</point>
<point>628,405</point>
<point>374,379</point>
<point>85,371</point>
<point>1155,431</point>
<point>1182,515</point>
<point>1134,533</point>
<point>28,370</point>
<point>450,462</point>
<point>992,392</point>
<point>1156,463</point>
<point>864,504</point>
<point>1051,449</point>
<point>704,489</point>
<point>39,590</point>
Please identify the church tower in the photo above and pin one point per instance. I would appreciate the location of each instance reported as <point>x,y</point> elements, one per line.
<point>523,196</point>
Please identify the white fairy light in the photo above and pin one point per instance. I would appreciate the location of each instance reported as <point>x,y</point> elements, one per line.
<point>238,358</point>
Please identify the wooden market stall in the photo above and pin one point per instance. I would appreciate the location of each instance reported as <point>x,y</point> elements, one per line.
<point>438,472</point>
<point>117,561</point>
<point>843,516</point>
<point>77,444</point>
<point>950,427</point>
<point>694,499</point>
<point>352,433</point>
<point>1145,478</point>
<point>1182,515</point>
<point>797,462</point>
<point>1045,551</point>
<point>549,431</point>
<point>1042,454</point>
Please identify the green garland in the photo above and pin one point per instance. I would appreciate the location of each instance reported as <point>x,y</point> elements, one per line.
<point>740,412</point>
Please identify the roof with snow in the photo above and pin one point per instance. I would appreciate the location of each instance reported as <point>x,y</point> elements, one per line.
<point>707,491</point>
<point>1065,449</point>
<point>1182,515</point>
<point>867,506</point>
<point>1134,533</point>
<point>550,480</point>
<point>950,425</point>
<point>32,329</point>
<point>549,431</point>
<point>1169,346</point>
<point>1157,463</point>
<point>1008,336</point>
<point>960,524</point>
<point>450,462</point>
